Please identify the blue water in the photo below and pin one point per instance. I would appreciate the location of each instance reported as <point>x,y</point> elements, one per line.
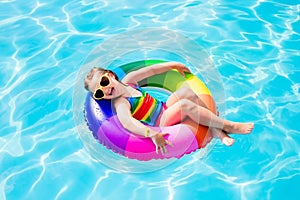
<point>253,51</point>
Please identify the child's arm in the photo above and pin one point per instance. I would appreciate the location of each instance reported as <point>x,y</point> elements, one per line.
<point>130,123</point>
<point>135,126</point>
<point>136,76</point>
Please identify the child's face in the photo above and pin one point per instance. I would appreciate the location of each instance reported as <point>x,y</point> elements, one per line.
<point>103,85</point>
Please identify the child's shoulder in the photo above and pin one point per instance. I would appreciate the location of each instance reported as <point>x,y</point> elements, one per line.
<point>134,85</point>
<point>121,102</point>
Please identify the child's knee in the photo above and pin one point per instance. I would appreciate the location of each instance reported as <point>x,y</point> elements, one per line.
<point>189,94</point>
<point>186,105</point>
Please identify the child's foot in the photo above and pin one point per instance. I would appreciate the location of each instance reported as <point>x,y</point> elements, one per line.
<point>241,128</point>
<point>228,141</point>
<point>225,139</point>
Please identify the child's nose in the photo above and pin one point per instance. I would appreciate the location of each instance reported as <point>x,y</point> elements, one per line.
<point>106,90</point>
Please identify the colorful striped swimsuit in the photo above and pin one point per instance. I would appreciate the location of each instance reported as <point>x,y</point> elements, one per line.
<point>145,108</point>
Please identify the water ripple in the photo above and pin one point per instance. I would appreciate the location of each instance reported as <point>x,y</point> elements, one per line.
<point>253,44</point>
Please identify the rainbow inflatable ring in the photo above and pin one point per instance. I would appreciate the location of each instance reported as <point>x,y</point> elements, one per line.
<point>107,129</point>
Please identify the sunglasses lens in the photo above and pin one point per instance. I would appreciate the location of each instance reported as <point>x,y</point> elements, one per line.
<point>104,81</point>
<point>98,94</point>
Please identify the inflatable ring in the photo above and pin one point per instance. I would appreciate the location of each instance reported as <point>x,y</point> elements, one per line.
<point>186,137</point>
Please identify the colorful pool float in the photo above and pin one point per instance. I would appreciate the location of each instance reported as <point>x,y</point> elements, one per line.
<point>107,129</point>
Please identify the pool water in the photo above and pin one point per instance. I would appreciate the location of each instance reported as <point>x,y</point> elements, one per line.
<point>252,48</point>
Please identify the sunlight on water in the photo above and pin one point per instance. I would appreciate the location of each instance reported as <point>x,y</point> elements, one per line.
<point>47,46</point>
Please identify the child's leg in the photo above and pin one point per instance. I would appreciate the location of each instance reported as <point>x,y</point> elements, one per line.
<point>185,93</point>
<point>186,108</point>
<point>188,93</point>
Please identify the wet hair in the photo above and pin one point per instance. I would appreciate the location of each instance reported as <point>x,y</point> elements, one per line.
<point>91,74</point>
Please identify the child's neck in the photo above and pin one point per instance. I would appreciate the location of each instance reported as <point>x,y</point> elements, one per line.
<point>131,92</point>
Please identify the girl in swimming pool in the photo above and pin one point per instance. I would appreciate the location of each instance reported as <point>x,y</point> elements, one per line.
<point>133,105</point>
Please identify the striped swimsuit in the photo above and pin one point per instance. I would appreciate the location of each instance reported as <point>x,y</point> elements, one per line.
<point>146,108</point>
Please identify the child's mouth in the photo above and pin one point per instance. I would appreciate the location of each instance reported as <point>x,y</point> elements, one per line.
<point>111,91</point>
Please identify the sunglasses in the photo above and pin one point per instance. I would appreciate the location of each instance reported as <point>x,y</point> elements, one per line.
<point>104,82</point>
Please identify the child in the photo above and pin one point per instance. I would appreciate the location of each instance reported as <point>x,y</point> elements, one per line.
<point>131,103</point>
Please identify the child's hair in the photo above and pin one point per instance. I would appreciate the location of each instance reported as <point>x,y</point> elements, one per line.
<point>91,74</point>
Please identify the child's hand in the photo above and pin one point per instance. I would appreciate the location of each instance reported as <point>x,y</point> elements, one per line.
<point>181,69</point>
<point>161,143</point>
